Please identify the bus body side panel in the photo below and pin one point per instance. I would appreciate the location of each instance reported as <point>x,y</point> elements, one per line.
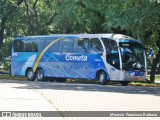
<point>67,66</point>
<point>52,64</point>
<point>21,61</point>
<point>58,65</point>
<point>72,65</point>
<point>83,66</point>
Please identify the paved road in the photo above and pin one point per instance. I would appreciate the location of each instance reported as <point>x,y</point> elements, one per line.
<point>15,97</point>
<point>91,97</point>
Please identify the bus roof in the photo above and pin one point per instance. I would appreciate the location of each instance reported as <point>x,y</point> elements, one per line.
<point>58,35</point>
<point>117,37</point>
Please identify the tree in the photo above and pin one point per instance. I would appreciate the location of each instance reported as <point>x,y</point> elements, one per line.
<point>80,16</point>
<point>6,10</point>
<point>38,16</point>
<point>5,53</point>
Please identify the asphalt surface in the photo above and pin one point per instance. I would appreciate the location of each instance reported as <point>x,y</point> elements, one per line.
<point>21,95</point>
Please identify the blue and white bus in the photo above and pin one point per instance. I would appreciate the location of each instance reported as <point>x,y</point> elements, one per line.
<point>102,57</point>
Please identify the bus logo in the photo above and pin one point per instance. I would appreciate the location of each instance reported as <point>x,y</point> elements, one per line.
<point>76,58</point>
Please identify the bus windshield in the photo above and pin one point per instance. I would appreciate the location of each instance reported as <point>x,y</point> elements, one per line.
<point>133,57</point>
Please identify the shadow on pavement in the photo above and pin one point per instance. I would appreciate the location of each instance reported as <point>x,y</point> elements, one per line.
<point>115,88</point>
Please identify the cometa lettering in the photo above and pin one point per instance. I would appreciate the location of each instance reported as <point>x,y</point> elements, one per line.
<point>76,58</point>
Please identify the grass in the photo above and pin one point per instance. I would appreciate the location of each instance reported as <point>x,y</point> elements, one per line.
<point>144,84</point>
<point>157,78</point>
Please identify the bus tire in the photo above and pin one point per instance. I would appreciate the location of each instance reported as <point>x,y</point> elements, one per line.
<point>102,78</point>
<point>124,83</point>
<point>30,75</point>
<point>40,75</point>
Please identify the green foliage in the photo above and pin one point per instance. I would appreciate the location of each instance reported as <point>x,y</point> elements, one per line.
<point>137,16</point>
<point>5,50</point>
<point>144,84</point>
<point>7,9</point>
<point>5,53</point>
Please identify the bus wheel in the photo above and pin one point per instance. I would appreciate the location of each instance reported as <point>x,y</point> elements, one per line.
<point>40,75</point>
<point>102,78</point>
<point>124,83</point>
<point>30,75</point>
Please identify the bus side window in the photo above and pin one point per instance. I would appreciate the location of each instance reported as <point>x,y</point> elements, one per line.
<point>81,45</point>
<point>34,47</point>
<point>113,44</point>
<point>109,44</point>
<point>113,56</point>
<point>38,45</point>
<point>28,46</point>
<point>54,47</point>
<point>66,45</point>
<point>106,42</point>
<point>95,46</point>
<point>18,46</point>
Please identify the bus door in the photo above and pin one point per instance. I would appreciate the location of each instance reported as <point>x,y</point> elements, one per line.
<point>114,61</point>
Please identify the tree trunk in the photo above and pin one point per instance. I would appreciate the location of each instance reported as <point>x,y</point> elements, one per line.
<point>29,19</point>
<point>156,60</point>
<point>154,66</point>
<point>1,37</point>
<point>2,31</point>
